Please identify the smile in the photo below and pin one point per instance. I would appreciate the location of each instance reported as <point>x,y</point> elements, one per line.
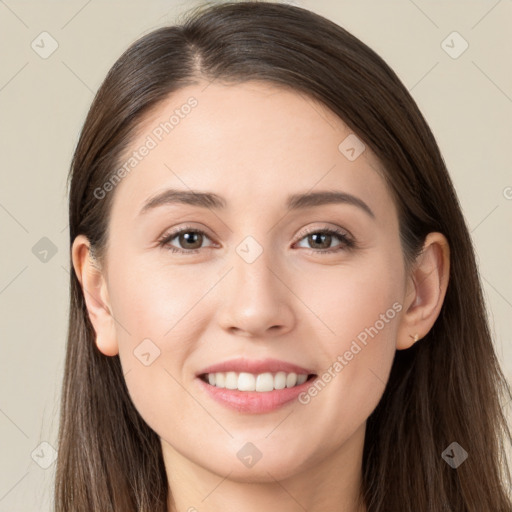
<point>262,383</point>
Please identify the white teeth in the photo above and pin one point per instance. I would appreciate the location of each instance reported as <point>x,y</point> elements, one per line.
<point>280,380</point>
<point>291,380</point>
<point>263,382</point>
<point>231,380</point>
<point>301,379</point>
<point>246,382</point>
<point>220,380</point>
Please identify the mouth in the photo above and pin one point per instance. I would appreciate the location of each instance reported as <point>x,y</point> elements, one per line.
<point>262,383</point>
<point>255,386</point>
<point>259,375</point>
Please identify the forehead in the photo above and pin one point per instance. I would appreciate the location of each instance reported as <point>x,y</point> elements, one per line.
<point>254,143</point>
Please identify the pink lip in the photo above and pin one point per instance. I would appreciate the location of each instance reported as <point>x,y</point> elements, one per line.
<point>254,401</point>
<point>255,367</point>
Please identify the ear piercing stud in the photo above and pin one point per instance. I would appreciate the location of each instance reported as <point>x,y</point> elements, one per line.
<point>416,337</point>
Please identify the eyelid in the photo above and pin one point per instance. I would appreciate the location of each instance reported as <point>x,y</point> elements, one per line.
<point>307,231</point>
<point>336,229</point>
<point>181,228</point>
<point>348,242</point>
<point>346,238</point>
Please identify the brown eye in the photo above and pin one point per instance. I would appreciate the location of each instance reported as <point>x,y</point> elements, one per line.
<point>321,239</point>
<point>189,240</point>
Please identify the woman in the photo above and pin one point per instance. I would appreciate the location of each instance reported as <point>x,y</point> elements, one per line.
<point>322,344</point>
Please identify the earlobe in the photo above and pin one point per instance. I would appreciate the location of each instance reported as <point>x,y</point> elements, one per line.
<point>94,289</point>
<point>428,283</point>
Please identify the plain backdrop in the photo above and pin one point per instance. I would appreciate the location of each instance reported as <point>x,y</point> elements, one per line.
<point>55,55</point>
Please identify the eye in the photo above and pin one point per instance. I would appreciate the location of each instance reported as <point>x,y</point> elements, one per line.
<point>190,238</point>
<point>323,238</point>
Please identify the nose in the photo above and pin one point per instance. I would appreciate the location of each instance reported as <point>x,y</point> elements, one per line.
<point>256,299</point>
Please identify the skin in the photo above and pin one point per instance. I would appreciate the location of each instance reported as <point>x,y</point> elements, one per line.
<point>254,144</point>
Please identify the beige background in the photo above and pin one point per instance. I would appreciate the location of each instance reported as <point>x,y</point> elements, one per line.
<point>466,100</point>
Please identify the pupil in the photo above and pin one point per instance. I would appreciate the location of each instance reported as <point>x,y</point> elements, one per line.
<point>321,235</point>
<point>189,236</point>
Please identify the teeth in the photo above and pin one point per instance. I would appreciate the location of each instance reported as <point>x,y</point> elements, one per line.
<point>231,380</point>
<point>301,379</point>
<point>249,382</point>
<point>281,379</point>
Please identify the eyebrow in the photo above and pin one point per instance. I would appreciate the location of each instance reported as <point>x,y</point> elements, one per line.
<point>213,201</point>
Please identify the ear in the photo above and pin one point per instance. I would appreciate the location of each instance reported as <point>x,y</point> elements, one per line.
<point>425,291</point>
<point>94,288</point>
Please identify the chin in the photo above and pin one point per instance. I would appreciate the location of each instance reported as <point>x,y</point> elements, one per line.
<point>265,469</point>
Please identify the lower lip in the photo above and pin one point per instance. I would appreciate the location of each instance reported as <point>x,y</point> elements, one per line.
<point>255,401</point>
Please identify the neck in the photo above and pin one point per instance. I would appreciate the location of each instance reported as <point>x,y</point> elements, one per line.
<point>331,483</point>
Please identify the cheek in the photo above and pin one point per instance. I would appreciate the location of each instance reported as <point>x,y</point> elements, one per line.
<point>353,300</point>
<point>360,316</point>
<point>157,328</point>
<point>153,301</point>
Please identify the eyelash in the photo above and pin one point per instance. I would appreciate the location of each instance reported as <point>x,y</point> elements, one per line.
<point>347,242</point>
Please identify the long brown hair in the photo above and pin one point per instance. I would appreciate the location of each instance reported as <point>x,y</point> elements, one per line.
<point>446,388</point>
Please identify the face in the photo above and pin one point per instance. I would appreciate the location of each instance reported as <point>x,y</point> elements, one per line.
<point>319,285</point>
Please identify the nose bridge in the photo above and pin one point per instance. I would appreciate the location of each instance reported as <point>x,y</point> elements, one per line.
<point>253,299</point>
<point>253,270</point>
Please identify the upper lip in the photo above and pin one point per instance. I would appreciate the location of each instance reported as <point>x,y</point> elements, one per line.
<point>255,366</point>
